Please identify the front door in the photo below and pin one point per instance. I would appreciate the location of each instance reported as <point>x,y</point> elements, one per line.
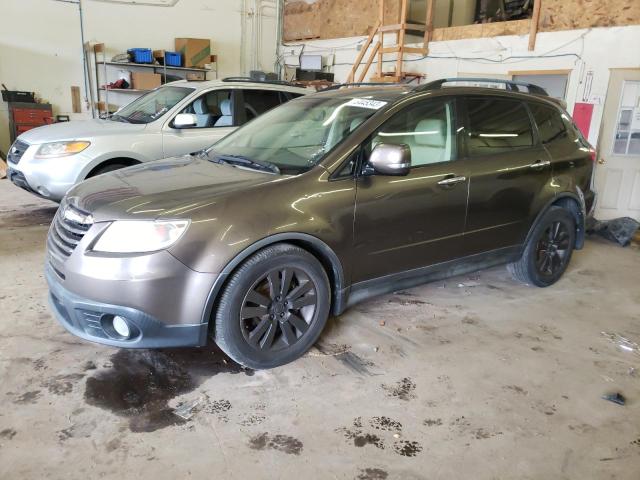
<point>216,117</point>
<point>407,222</point>
<point>617,177</point>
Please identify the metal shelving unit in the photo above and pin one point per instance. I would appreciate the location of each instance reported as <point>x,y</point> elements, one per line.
<point>102,64</point>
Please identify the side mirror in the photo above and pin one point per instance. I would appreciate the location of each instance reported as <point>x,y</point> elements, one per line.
<point>390,159</point>
<point>185,120</point>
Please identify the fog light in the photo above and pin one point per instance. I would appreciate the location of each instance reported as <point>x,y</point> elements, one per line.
<point>121,326</point>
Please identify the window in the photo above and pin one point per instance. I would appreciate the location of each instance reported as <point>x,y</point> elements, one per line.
<point>497,125</point>
<point>256,102</point>
<point>152,105</point>
<point>627,135</point>
<point>298,135</point>
<point>213,109</point>
<point>426,128</point>
<point>551,128</point>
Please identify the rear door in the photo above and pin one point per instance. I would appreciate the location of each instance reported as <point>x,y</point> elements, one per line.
<point>509,170</point>
<point>407,222</point>
<point>255,102</point>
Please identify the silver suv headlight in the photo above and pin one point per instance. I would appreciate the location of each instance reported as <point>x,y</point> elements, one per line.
<point>60,149</point>
<point>139,236</point>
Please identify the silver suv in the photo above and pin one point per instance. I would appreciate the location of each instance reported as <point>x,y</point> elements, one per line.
<point>175,119</point>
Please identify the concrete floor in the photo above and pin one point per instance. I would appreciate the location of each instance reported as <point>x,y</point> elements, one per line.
<point>476,377</point>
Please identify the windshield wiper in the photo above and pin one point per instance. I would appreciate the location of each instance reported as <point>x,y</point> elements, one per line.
<point>247,162</point>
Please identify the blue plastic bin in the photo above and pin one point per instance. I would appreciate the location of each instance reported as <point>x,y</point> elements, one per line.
<point>173,59</point>
<point>141,55</point>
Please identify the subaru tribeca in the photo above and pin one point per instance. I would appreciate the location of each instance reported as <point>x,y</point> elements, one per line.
<point>314,206</point>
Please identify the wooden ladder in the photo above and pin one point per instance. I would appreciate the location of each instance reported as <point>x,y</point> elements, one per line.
<point>380,49</point>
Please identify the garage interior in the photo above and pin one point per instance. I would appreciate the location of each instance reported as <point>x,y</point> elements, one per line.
<point>473,376</point>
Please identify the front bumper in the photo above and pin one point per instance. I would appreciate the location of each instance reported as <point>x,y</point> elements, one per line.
<point>49,178</point>
<point>85,318</point>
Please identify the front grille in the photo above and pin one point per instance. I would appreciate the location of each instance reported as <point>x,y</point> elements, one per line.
<point>16,151</point>
<point>67,229</point>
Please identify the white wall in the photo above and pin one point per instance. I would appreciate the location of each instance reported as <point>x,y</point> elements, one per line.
<point>580,51</point>
<point>40,46</point>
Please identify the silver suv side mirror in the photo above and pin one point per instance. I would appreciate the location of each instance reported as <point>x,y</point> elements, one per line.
<point>391,159</point>
<point>185,120</point>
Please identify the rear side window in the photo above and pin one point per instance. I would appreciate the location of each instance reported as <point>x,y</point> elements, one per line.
<point>256,102</point>
<point>497,125</point>
<point>551,128</point>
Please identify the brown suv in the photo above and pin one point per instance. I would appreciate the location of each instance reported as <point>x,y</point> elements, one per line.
<point>314,206</point>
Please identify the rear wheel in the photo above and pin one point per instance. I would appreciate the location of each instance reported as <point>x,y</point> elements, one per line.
<point>548,251</point>
<point>273,308</point>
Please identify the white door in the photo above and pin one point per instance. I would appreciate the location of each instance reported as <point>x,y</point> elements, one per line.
<point>617,179</point>
<point>216,118</point>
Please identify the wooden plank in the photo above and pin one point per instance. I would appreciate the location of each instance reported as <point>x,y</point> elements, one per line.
<point>428,31</point>
<point>363,51</point>
<point>398,26</point>
<point>535,20</point>
<point>75,99</point>
<point>376,47</point>
<point>419,50</point>
<point>392,49</point>
<point>401,32</point>
<point>380,36</point>
<point>481,30</point>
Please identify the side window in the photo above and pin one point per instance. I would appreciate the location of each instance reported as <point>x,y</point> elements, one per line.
<point>427,128</point>
<point>497,125</point>
<point>551,128</point>
<point>213,109</point>
<point>256,102</point>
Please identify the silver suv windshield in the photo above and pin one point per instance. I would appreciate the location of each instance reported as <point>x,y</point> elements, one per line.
<point>297,135</point>
<point>152,105</point>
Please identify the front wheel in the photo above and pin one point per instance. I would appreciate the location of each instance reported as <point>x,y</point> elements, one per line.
<point>548,251</point>
<point>273,308</point>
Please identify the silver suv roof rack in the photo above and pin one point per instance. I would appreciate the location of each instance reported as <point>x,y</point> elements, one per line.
<point>253,80</point>
<point>361,84</point>
<point>511,85</point>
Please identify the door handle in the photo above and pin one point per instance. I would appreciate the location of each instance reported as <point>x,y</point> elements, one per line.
<point>450,181</point>
<point>540,164</point>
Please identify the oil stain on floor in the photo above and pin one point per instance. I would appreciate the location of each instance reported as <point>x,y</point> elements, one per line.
<point>140,383</point>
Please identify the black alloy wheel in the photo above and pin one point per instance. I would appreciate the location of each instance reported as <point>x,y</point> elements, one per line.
<point>552,249</point>
<point>548,251</point>
<point>278,309</point>
<point>273,307</point>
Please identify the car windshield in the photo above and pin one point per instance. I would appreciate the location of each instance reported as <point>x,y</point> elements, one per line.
<point>151,106</point>
<point>297,135</point>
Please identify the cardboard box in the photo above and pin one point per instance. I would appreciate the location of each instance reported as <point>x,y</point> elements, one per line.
<point>145,80</point>
<point>195,51</point>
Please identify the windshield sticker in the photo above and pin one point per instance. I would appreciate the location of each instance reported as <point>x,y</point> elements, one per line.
<point>365,103</point>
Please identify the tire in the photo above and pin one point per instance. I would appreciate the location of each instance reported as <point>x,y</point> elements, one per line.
<point>548,250</point>
<point>273,308</point>
<point>107,168</point>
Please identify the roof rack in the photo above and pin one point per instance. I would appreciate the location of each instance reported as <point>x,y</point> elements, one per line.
<point>253,80</point>
<point>361,84</point>
<point>511,85</point>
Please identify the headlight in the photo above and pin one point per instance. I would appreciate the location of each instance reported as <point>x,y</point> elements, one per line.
<point>60,149</point>
<point>134,236</point>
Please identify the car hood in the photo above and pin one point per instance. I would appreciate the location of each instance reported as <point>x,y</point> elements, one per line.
<point>78,130</point>
<point>178,187</point>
